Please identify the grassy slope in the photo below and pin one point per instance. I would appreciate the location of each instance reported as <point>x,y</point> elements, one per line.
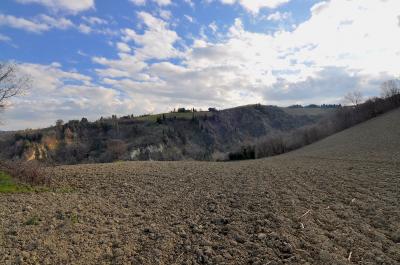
<point>179,115</point>
<point>308,111</point>
<point>189,115</point>
<point>375,140</point>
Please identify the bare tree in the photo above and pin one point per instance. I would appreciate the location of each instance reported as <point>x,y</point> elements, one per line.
<point>354,97</point>
<point>390,88</point>
<point>12,82</point>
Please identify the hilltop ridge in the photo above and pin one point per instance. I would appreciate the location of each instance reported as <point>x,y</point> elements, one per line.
<point>180,135</point>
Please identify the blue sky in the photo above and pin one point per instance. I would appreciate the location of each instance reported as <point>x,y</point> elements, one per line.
<point>92,58</point>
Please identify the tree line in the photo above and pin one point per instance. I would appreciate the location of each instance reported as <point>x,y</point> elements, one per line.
<point>343,118</point>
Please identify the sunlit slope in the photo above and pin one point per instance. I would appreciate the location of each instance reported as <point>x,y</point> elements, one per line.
<point>375,140</point>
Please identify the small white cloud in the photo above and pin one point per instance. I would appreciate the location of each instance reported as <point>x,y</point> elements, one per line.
<point>60,23</point>
<point>38,24</point>
<point>279,16</point>
<point>81,53</point>
<point>158,2</point>
<point>70,6</point>
<point>95,20</point>
<point>4,38</point>
<point>165,14</point>
<point>138,2</point>
<point>189,18</point>
<point>163,2</point>
<point>213,26</point>
<point>254,6</point>
<point>84,28</point>
<point>123,47</point>
<point>22,23</point>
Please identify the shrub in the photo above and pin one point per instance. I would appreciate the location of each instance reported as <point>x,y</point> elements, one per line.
<point>30,172</point>
<point>246,152</point>
<point>34,220</point>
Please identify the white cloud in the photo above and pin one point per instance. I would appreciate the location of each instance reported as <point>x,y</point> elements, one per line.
<point>85,29</point>
<point>279,16</point>
<point>70,6</point>
<point>138,2</point>
<point>213,26</point>
<point>163,2</point>
<point>158,2</point>
<point>165,14</point>
<point>4,38</point>
<point>42,23</point>
<point>340,48</point>
<point>60,94</point>
<point>126,66</point>
<point>254,6</point>
<point>157,41</point>
<point>123,47</point>
<point>95,20</point>
<point>38,24</point>
<point>22,23</point>
<point>189,18</point>
<point>60,23</point>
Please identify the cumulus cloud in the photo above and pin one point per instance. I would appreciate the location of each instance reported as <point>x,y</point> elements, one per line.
<point>279,16</point>
<point>85,29</point>
<point>42,23</point>
<point>123,47</point>
<point>125,66</point>
<point>138,2</point>
<point>157,41</point>
<point>340,48</point>
<point>165,14</point>
<point>62,94</point>
<point>24,24</point>
<point>329,84</point>
<point>341,34</point>
<point>254,6</point>
<point>69,6</point>
<point>158,2</point>
<point>95,20</point>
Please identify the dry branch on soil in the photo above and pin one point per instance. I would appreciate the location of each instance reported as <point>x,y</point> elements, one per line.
<point>305,213</point>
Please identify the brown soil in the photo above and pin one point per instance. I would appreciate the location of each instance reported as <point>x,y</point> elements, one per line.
<point>313,206</point>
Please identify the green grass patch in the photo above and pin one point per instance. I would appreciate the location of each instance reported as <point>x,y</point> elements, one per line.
<point>9,185</point>
<point>178,115</point>
<point>34,220</point>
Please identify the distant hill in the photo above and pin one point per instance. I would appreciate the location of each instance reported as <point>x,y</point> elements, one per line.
<point>179,135</point>
<point>375,140</point>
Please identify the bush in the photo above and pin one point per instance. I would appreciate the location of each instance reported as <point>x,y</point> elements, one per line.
<point>246,152</point>
<point>30,172</point>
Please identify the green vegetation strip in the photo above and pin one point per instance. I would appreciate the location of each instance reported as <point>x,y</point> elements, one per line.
<point>9,185</point>
<point>178,115</point>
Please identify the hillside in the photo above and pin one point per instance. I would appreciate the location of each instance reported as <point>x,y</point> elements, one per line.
<point>168,136</point>
<point>333,202</point>
<point>376,140</point>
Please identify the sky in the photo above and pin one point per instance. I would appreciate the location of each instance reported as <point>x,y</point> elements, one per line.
<point>93,58</point>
